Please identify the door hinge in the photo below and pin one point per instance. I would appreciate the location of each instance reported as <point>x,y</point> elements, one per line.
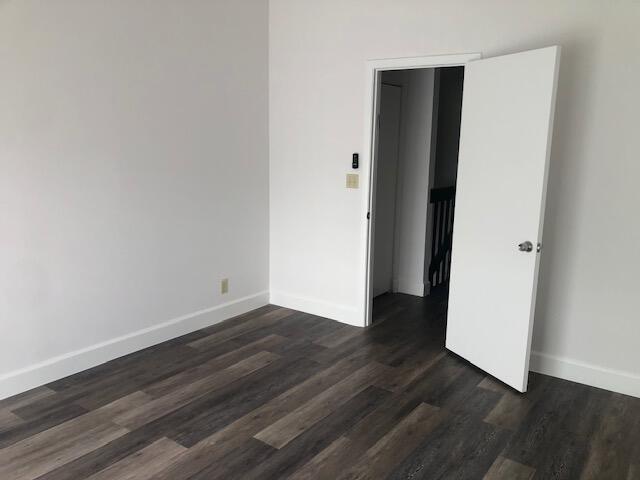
<point>368,215</point>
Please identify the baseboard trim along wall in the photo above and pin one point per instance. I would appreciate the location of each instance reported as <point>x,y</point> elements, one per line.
<point>409,287</point>
<point>340,313</point>
<point>67,364</point>
<point>619,381</point>
<point>608,379</point>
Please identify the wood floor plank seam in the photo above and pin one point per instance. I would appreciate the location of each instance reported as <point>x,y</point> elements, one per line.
<point>327,463</point>
<point>379,460</point>
<point>9,419</point>
<point>26,398</point>
<point>157,407</point>
<point>292,425</point>
<point>31,458</point>
<point>221,443</point>
<point>285,461</point>
<point>145,463</point>
<point>177,381</point>
<point>504,468</point>
<point>28,428</point>
<point>269,318</point>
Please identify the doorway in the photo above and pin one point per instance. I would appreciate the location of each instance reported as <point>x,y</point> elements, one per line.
<point>375,69</point>
<point>497,201</point>
<point>416,164</point>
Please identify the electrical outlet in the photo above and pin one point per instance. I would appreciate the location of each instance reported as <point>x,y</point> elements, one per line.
<point>352,180</point>
<point>224,286</point>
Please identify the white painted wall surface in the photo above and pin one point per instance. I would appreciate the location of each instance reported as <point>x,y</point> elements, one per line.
<point>133,176</point>
<point>587,310</point>
<point>386,179</point>
<point>409,186</point>
<point>413,183</point>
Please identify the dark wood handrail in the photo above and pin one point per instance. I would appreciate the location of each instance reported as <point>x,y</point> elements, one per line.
<point>443,200</point>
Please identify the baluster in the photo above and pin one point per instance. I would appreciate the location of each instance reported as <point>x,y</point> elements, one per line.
<point>434,241</point>
<point>443,239</point>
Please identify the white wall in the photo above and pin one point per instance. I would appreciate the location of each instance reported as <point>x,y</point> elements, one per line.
<point>386,179</point>
<point>587,312</point>
<point>133,176</point>
<point>400,236</point>
<point>413,183</point>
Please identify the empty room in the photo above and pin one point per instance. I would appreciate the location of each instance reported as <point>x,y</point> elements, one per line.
<point>296,239</point>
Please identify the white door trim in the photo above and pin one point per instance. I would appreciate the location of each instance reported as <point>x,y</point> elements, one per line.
<point>372,71</point>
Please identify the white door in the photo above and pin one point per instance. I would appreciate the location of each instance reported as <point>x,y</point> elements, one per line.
<point>505,139</point>
<point>386,177</point>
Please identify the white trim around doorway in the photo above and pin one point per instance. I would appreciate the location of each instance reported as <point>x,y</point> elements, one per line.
<point>372,101</point>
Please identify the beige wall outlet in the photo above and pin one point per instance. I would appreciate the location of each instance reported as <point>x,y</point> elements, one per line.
<point>224,286</point>
<point>352,180</point>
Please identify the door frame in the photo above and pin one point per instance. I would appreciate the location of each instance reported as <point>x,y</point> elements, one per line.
<point>373,70</point>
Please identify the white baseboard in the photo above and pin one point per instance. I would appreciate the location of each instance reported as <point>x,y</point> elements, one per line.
<point>401,285</point>
<point>588,374</point>
<point>67,364</point>
<point>340,313</point>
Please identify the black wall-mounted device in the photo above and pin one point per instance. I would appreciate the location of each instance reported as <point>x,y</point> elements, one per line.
<point>355,163</point>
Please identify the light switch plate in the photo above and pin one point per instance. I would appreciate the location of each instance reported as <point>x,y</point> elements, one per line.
<point>352,180</point>
<point>224,286</point>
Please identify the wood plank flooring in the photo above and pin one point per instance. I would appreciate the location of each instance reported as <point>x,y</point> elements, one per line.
<point>278,394</point>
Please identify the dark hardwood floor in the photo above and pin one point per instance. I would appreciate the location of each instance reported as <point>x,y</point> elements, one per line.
<point>277,394</point>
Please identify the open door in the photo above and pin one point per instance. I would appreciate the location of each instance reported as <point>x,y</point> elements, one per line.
<point>505,140</point>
